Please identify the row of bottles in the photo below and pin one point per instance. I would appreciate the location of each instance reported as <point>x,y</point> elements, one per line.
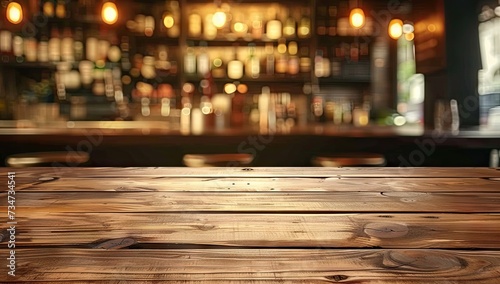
<point>252,61</point>
<point>237,108</point>
<point>250,22</point>
<point>343,60</point>
<point>164,22</point>
<point>340,111</point>
<point>63,45</point>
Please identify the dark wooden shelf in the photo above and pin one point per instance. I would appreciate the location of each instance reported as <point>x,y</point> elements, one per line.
<point>344,80</point>
<point>263,78</point>
<point>224,42</point>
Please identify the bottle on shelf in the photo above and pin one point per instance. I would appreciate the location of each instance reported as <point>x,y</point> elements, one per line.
<point>114,52</point>
<point>235,67</point>
<point>78,45</point>
<point>319,68</point>
<point>270,61</point>
<point>206,107</point>
<point>194,25</point>
<point>48,8</point>
<point>67,46</point>
<point>237,107</point>
<point>6,46</point>
<point>190,61</point>
<point>253,63</point>
<point>61,9</point>
<point>282,60</point>
<point>305,60</point>
<point>304,28</point>
<point>274,28</point>
<point>218,68</point>
<point>209,30</point>
<point>175,30</point>
<point>289,26</point>
<point>203,60</point>
<point>149,26</point>
<point>293,60</point>
<point>30,49</point>
<point>18,48</point>
<point>257,27</point>
<point>43,47</point>
<point>92,47</point>
<point>55,46</point>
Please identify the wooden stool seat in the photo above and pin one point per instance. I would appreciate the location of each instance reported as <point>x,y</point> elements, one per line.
<point>349,160</point>
<point>39,159</point>
<point>217,160</point>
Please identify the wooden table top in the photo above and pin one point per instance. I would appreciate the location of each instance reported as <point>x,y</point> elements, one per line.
<point>253,225</point>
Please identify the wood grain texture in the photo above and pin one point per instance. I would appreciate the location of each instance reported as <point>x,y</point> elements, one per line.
<point>140,184</point>
<point>256,172</point>
<point>260,265</point>
<point>239,202</point>
<point>478,231</point>
<point>255,225</point>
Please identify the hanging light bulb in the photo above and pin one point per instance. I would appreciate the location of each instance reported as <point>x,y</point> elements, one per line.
<point>14,13</point>
<point>109,13</point>
<point>357,18</point>
<point>395,28</point>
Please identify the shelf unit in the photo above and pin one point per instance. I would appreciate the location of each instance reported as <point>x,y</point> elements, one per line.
<point>177,46</point>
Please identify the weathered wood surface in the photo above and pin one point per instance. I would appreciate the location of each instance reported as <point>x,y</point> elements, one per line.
<point>240,202</point>
<point>476,231</point>
<point>259,184</point>
<point>255,225</point>
<point>259,172</point>
<point>290,266</point>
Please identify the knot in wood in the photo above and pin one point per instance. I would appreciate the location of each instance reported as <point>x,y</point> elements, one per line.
<point>386,230</point>
<point>337,278</point>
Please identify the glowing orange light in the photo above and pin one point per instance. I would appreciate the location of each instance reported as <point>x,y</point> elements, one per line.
<point>357,18</point>
<point>410,36</point>
<point>396,28</point>
<point>109,13</point>
<point>14,13</point>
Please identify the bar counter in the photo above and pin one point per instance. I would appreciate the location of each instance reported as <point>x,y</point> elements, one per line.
<point>135,143</point>
<point>252,225</point>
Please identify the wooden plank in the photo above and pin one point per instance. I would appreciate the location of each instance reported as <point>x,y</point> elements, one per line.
<point>277,202</point>
<point>254,172</point>
<point>263,230</point>
<point>261,265</point>
<point>140,184</point>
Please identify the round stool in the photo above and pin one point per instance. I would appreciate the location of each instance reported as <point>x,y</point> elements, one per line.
<point>350,160</point>
<point>40,159</point>
<point>217,160</point>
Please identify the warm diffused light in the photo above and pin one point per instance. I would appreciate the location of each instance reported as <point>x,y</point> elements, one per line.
<point>168,20</point>
<point>109,13</point>
<point>219,19</point>
<point>396,29</point>
<point>14,13</point>
<point>357,18</point>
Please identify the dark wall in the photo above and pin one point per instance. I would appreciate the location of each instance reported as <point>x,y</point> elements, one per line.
<point>463,57</point>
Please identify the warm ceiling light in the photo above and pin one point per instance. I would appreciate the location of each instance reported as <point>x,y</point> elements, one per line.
<point>357,18</point>
<point>219,19</point>
<point>14,13</point>
<point>396,28</point>
<point>109,13</point>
